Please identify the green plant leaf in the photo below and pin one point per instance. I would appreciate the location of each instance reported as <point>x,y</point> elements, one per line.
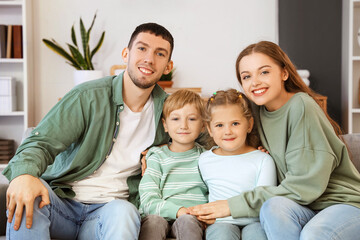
<point>78,57</point>
<point>73,36</point>
<point>59,50</point>
<point>97,46</point>
<point>84,38</point>
<point>91,26</point>
<point>75,58</point>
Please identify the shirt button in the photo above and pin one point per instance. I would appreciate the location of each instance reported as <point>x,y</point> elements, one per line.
<point>114,139</point>
<point>117,123</point>
<point>107,157</point>
<point>121,107</point>
<point>37,133</point>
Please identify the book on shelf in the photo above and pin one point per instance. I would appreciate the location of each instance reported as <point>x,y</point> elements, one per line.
<point>3,39</point>
<point>16,48</point>
<point>6,150</point>
<point>8,41</point>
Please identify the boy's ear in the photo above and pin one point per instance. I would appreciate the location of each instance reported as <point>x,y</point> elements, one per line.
<point>251,125</point>
<point>164,124</point>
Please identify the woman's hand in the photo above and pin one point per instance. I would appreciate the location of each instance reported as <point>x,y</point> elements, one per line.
<point>210,211</point>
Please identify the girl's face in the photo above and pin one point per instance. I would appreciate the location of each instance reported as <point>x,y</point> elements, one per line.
<point>263,81</point>
<point>229,129</point>
<point>184,125</point>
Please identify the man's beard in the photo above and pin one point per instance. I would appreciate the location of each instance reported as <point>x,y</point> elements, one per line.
<point>139,83</point>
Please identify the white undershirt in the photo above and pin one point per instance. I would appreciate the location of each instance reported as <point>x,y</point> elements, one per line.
<point>136,133</point>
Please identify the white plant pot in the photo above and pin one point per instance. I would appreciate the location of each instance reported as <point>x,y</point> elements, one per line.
<point>81,76</point>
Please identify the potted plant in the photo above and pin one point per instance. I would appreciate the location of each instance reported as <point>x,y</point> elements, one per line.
<point>166,79</point>
<point>82,62</point>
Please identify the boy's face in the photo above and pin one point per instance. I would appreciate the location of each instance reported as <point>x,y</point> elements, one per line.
<point>184,126</point>
<point>147,59</point>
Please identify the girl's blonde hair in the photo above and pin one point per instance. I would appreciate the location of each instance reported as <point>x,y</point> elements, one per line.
<point>294,83</point>
<point>234,97</point>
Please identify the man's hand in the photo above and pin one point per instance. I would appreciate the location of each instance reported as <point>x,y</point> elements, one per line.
<point>208,212</point>
<point>21,193</point>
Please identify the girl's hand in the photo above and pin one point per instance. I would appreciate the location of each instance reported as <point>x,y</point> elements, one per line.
<point>210,211</point>
<point>261,148</point>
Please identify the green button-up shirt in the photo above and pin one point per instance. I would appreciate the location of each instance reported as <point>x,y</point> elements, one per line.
<point>74,138</point>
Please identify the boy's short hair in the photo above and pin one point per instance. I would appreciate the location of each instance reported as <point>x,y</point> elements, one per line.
<point>179,99</point>
<point>155,29</point>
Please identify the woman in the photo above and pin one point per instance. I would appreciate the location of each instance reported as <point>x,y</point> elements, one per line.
<point>318,196</point>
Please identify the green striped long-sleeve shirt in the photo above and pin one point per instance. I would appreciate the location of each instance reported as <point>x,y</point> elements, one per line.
<point>172,180</point>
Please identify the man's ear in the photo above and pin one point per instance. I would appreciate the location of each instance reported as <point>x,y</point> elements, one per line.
<point>169,67</point>
<point>164,124</point>
<point>125,54</point>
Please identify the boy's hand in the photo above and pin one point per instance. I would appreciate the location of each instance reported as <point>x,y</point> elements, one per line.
<point>261,148</point>
<point>21,195</point>
<point>143,162</point>
<point>182,211</point>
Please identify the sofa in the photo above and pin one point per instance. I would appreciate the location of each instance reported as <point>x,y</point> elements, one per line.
<point>352,141</point>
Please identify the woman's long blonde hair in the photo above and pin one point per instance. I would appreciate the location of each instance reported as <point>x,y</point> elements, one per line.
<point>294,83</point>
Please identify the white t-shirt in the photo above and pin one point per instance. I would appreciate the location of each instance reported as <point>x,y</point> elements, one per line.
<point>229,176</point>
<point>136,133</point>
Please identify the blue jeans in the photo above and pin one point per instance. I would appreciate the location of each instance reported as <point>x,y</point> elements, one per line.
<point>282,218</point>
<point>68,219</point>
<point>228,231</point>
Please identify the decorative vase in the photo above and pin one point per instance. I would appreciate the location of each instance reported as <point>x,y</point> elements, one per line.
<point>81,76</point>
<point>165,84</point>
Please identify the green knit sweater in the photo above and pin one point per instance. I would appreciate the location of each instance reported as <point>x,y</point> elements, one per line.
<point>172,180</point>
<point>313,164</point>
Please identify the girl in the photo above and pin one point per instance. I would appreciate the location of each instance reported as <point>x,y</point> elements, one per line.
<point>319,192</point>
<point>234,165</point>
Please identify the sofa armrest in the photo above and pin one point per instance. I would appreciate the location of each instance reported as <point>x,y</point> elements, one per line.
<point>3,219</point>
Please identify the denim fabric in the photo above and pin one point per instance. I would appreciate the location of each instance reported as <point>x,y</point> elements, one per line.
<point>68,219</point>
<point>282,218</point>
<point>228,231</point>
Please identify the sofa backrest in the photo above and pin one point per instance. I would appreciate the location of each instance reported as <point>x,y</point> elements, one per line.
<point>352,142</point>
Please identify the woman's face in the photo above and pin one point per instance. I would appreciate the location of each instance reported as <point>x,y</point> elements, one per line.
<point>263,81</point>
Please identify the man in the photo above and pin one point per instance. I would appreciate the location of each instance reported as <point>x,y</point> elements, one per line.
<point>87,147</point>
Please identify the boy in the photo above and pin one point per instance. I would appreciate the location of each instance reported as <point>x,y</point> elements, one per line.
<point>172,181</point>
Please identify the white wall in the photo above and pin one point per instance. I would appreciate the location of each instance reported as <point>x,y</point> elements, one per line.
<point>208,36</point>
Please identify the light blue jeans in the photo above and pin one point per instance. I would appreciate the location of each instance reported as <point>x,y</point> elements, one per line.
<point>282,218</point>
<point>68,219</point>
<point>228,231</point>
